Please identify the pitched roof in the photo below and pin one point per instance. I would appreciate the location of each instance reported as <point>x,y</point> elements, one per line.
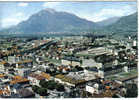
<point>40,77</point>
<point>18,79</point>
<point>69,79</point>
<point>25,61</point>
<point>47,76</point>
<point>3,62</point>
<point>1,92</point>
<point>2,75</point>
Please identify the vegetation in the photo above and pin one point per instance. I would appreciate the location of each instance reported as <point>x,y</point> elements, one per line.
<point>132,91</point>
<point>60,87</point>
<point>35,88</point>
<point>135,47</point>
<point>39,90</point>
<point>42,91</point>
<point>79,68</point>
<point>51,85</point>
<point>118,47</point>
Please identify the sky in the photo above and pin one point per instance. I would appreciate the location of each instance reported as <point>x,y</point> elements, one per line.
<point>12,13</point>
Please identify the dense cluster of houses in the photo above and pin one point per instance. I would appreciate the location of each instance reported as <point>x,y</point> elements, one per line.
<point>70,62</point>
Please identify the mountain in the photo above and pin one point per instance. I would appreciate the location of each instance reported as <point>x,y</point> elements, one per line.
<point>125,25</point>
<point>49,20</point>
<point>108,21</point>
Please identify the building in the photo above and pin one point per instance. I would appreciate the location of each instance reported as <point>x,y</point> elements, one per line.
<point>69,80</point>
<point>2,65</point>
<point>13,59</point>
<point>112,70</point>
<point>24,72</point>
<point>71,61</point>
<point>19,80</point>
<point>25,63</point>
<point>110,65</point>
<point>35,78</point>
<point>92,88</point>
<point>134,43</point>
<point>96,51</point>
<point>91,63</point>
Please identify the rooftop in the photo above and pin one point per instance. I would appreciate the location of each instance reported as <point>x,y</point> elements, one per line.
<point>70,79</point>
<point>2,75</point>
<point>25,61</point>
<point>18,79</point>
<point>40,76</point>
<point>3,62</point>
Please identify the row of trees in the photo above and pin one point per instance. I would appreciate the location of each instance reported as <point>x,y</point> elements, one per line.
<point>45,85</point>
<point>39,90</point>
<point>51,85</point>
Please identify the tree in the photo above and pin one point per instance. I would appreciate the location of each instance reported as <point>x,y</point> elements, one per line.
<point>79,68</point>
<point>132,91</point>
<point>43,83</point>
<point>60,87</point>
<point>115,96</point>
<point>35,88</point>
<point>135,47</point>
<point>42,91</point>
<point>39,90</point>
<point>51,87</point>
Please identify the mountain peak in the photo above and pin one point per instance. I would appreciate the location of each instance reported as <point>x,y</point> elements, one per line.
<point>50,10</point>
<point>50,20</point>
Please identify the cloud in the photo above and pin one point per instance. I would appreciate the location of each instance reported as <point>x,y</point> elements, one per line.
<point>98,15</point>
<point>23,4</point>
<point>20,14</point>
<point>7,22</point>
<point>13,20</point>
<point>51,4</point>
<point>106,13</point>
<point>83,10</point>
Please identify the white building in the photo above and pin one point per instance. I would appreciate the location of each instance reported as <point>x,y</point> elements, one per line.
<point>35,79</point>
<point>125,68</point>
<point>91,63</point>
<point>24,72</point>
<point>134,43</point>
<point>69,62</point>
<point>13,59</point>
<point>92,88</point>
<point>65,62</point>
<point>2,66</point>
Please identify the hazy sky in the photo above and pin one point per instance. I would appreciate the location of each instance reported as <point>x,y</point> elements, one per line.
<point>11,13</point>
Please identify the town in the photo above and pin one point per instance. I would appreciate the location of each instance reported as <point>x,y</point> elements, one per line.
<point>68,67</point>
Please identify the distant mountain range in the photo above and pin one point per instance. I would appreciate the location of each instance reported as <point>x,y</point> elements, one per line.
<point>108,21</point>
<point>125,25</point>
<point>49,20</point>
